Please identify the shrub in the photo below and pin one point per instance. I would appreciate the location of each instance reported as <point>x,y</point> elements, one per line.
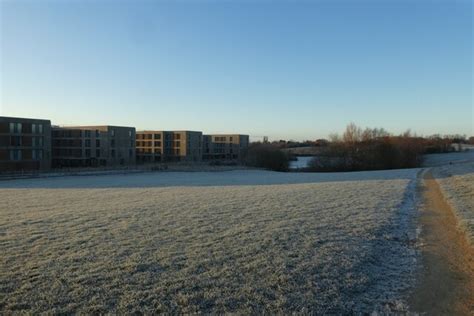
<point>371,149</point>
<point>266,156</point>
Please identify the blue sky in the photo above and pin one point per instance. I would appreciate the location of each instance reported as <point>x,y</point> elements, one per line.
<point>285,69</point>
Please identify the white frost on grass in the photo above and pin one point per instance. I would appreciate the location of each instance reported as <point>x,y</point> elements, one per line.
<point>120,244</point>
<point>433,160</point>
<point>226,178</point>
<point>457,183</point>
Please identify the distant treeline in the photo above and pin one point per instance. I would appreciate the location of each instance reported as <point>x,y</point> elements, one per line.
<point>436,142</point>
<point>355,150</point>
<point>369,149</point>
<point>375,149</point>
<point>266,156</point>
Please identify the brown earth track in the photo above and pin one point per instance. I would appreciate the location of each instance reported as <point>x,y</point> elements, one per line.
<point>446,280</point>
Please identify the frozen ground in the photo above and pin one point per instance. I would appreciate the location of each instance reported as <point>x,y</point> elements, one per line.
<point>455,174</point>
<point>242,241</point>
<point>434,160</point>
<point>457,183</point>
<point>227,178</point>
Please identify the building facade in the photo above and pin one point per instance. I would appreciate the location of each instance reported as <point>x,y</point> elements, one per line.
<point>224,146</point>
<point>163,146</point>
<point>25,144</point>
<point>93,146</point>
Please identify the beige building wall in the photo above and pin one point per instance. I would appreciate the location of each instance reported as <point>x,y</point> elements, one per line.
<point>159,146</point>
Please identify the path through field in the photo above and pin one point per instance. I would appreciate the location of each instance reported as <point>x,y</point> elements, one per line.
<point>446,280</point>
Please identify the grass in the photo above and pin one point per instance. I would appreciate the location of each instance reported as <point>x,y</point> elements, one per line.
<point>333,247</point>
<point>457,183</point>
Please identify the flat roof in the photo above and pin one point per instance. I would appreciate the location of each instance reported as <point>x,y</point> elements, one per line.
<point>226,135</point>
<point>23,118</point>
<point>172,131</point>
<point>90,126</point>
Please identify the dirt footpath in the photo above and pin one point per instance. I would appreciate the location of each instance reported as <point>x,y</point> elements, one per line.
<point>446,281</point>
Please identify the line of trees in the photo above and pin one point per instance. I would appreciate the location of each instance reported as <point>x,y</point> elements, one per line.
<point>266,156</point>
<point>369,149</point>
<point>356,149</point>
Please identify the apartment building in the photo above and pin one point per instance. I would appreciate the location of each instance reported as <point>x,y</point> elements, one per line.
<point>161,146</point>
<point>224,146</point>
<point>25,144</point>
<point>92,146</point>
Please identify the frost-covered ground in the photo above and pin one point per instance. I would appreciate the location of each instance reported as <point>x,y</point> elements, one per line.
<point>455,174</point>
<point>242,241</point>
<point>434,160</point>
<point>227,178</point>
<point>457,183</point>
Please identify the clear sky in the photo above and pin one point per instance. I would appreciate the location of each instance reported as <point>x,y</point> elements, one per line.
<point>285,69</point>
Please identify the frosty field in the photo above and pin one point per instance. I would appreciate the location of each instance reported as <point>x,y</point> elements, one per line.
<point>244,241</point>
<point>457,183</point>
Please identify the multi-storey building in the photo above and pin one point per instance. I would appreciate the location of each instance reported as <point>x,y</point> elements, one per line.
<point>159,146</point>
<point>224,146</point>
<point>83,146</point>
<point>25,144</point>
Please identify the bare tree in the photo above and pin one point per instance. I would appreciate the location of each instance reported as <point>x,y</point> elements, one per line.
<point>352,134</point>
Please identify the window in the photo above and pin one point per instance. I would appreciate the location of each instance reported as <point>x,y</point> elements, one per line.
<point>88,133</point>
<point>129,133</point>
<point>97,153</point>
<point>112,132</point>
<point>157,143</point>
<point>230,138</point>
<point>97,133</point>
<point>112,143</point>
<point>88,153</point>
<point>15,140</point>
<point>177,136</point>
<point>177,144</point>
<point>112,153</point>
<point>37,154</point>
<point>97,143</point>
<point>33,128</point>
<point>88,143</point>
<point>15,154</point>
<point>130,153</point>
<point>157,136</point>
<point>15,128</point>
<point>33,141</point>
<point>40,128</point>
<point>40,141</point>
